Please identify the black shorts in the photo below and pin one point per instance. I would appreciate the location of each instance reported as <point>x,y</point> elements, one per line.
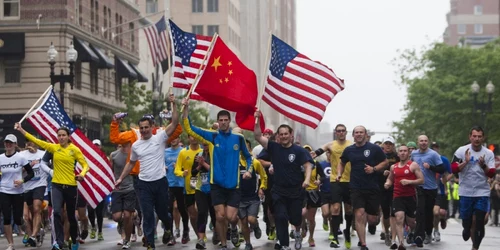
<point>34,194</point>
<point>268,201</point>
<point>442,201</point>
<point>189,200</point>
<point>326,198</point>
<point>340,192</point>
<point>123,201</point>
<point>80,201</point>
<point>406,204</point>
<point>224,196</point>
<point>386,202</point>
<point>368,199</point>
<point>312,199</point>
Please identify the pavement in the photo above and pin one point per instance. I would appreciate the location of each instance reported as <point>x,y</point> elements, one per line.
<point>451,238</point>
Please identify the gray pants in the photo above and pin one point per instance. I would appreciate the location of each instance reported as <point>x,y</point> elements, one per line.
<point>64,194</point>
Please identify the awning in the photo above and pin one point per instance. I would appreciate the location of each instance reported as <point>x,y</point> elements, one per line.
<point>104,61</point>
<point>85,54</point>
<point>140,76</point>
<point>12,45</point>
<point>123,69</point>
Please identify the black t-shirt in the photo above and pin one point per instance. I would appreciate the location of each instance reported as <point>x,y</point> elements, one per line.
<point>288,168</point>
<point>392,158</point>
<point>264,155</point>
<point>370,154</point>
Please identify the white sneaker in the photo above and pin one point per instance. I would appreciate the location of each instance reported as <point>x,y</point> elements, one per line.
<point>126,245</point>
<point>133,238</point>
<point>120,242</point>
<point>437,236</point>
<point>11,247</point>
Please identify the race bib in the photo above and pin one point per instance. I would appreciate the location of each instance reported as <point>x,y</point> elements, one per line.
<point>204,178</point>
<point>36,177</point>
<point>193,182</point>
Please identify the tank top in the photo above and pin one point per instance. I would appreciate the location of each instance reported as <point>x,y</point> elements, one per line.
<point>401,173</point>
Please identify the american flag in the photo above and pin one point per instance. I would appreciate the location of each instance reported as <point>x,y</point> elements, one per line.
<point>159,43</point>
<point>189,51</point>
<point>99,180</point>
<point>298,87</point>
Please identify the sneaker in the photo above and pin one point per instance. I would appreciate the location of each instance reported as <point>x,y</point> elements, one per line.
<point>235,237</point>
<point>200,244</point>
<point>388,241</point>
<point>144,241</point>
<point>311,242</point>
<point>272,234</point>
<point>364,248</point>
<point>100,236</point>
<point>437,236</point>
<point>171,242</point>
<point>126,245</point>
<point>325,225</point>
<point>211,226</point>
<point>285,248</point>
<point>223,248</point>
<point>241,236</point>
<point>443,223</point>
<point>120,242</point>
<point>394,246</point>
<point>410,239</point>
<point>167,235</point>
<point>75,246</point>
<point>11,247</point>
<point>298,240</point>
<point>25,239</point>
<point>330,236</point>
<point>31,241</point>
<point>334,244</point>
<point>248,246</point>
<point>291,234</point>
<point>92,233</point>
<point>56,247</point>
<point>139,231</point>
<point>257,232</point>
<point>277,246</point>
<point>347,239</point>
<point>382,236</point>
<point>150,247</point>
<point>133,238</point>
<point>185,238</point>
<point>215,239</point>
<point>428,239</point>
<point>339,232</point>
<point>156,236</point>
<point>177,233</point>
<point>466,234</point>
<point>401,247</point>
<point>84,234</point>
<point>419,242</point>
<point>372,229</point>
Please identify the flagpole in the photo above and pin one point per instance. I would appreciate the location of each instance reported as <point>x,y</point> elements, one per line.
<point>36,103</point>
<point>193,86</point>
<point>265,69</point>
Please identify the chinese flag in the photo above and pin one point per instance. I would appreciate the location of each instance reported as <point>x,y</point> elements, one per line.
<point>229,84</point>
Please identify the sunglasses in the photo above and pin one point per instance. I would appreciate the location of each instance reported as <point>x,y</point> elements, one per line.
<point>340,130</point>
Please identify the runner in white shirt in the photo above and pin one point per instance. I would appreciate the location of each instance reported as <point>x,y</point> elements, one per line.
<point>11,186</point>
<point>34,192</point>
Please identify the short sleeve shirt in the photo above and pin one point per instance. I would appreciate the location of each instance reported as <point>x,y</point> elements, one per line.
<point>369,154</point>
<point>432,158</point>
<point>151,154</point>
<point>12,170</point>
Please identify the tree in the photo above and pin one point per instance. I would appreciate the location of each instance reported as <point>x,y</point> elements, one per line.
<point>439,100</point>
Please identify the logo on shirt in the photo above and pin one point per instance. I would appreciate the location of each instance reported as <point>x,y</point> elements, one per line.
<point>236,147</point>
<point>367,153</point>
<point>291,157</point>
<point>407,171</point>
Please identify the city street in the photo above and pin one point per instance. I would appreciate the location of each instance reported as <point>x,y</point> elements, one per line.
<point>450,239</point>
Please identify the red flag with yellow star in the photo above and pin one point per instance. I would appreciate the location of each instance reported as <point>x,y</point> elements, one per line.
<point>226,82</point>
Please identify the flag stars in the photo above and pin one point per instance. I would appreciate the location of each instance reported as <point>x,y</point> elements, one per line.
<point>230,72</point>
<point>226,80</point>
<point>229,63</point>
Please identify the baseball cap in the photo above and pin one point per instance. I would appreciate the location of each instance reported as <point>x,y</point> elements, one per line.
<point>96,142</point>
<point>267,131</point>
<point>11,138</point>
<point>411,144</point>
<point>434,145</point>
<point>389,139</point>
<point>308,147</point>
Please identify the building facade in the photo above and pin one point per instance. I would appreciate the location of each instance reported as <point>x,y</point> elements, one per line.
<point>472,22</point>
<point>105,34</point>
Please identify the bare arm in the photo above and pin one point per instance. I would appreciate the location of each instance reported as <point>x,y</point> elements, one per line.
<point>390,179</point>
<point>340,170</point>
<point>416,170</point>
<point>127,169</point>
<point>175,117</point>
<point>308,167</point>
<point>258,133</point>
<point>322,149</point>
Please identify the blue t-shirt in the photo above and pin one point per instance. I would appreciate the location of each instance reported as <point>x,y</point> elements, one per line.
<point>447,169</point>
<point>170,159</point>
<point>288,168</point>
<point>325,166</point>
<point>370,154</point>
<point>432,158</point>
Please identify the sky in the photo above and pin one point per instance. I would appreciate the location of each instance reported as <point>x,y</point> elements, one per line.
<point>358,39</point>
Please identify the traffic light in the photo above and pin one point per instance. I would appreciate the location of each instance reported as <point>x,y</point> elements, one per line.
<point>494,148</point>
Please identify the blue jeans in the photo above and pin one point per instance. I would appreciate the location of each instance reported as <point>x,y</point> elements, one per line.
<point>153,196</point>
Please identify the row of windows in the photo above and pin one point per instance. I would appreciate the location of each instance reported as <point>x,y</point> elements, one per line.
<point>197,6</point>
<point>211,29</point>
<point>234,12</point>
<point>462,28</point>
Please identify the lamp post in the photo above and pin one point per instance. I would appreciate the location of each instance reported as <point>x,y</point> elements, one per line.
<point>71,56</point>
<point>483,106</point>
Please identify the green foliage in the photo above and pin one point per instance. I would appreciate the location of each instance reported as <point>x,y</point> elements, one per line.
<point>439,99</point>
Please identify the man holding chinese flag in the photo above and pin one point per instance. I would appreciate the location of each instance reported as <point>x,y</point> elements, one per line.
<point>229,84</point>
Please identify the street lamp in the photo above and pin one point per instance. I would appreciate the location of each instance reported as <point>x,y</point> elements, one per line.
<point>483,106</point>
<point>71,56</point>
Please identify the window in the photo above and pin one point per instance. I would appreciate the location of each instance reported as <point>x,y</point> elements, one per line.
<point>120,31</point>
<point>94,78</point>
<point>93,129</point>
<point>10,9</point>
<point>118,87</point>
<point>109,24</point>
<point>105,21</point>
<point>10,71</point>
<point>117,30</point>
<point>197,29</point>
<point>213,5</point>
<point>212,29</point>
<point>478,9</point>
<point>92,21</point>
<point>461,29</point>
<point>478,28</point>
<point>197,6</point>
<point>96,13</point>
<point>151,6</point>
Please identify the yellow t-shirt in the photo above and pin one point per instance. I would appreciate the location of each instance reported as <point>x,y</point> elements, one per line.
<point>336,151</point>
<point>63,160</point>
<point>312,185</point>
<point>185,162</point>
